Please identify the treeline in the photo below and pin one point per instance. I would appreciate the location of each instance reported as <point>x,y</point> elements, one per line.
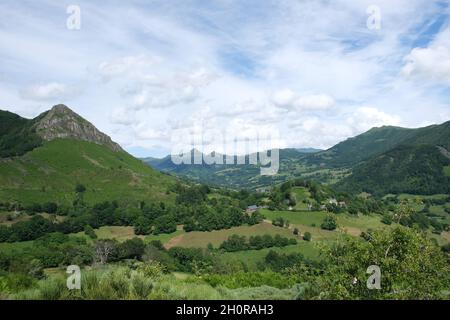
<point>241,243</point>
<point>193,209</point>
<point>282,197</point>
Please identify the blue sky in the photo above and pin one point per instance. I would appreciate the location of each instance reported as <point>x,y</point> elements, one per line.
<point>310,73</point>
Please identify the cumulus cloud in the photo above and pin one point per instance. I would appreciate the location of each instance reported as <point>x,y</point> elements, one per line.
<point>146,84</point>
<point>313,131</point>
<point>431,63</point>
<point>428,64</point>
<point>53,91</point>
<point>365,118</point>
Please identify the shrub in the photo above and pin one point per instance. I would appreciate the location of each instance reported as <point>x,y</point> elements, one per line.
<point>329,223</point>
<point>307,236</point>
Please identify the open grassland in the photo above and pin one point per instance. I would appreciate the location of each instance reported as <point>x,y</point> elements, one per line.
<point>311,220</point>
<point>301,194</point>
<point>251,258</point>
<point>51,172</point>
<point>202,239</point>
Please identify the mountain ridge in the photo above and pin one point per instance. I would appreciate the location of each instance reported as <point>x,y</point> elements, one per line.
<point>70,151</point>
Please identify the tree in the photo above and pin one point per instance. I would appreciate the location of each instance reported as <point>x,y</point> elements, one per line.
<point>412,267</point>
<point>165,224</point>
<point>89,231</point>
<point>329,223</point>
<point>50,207</point>
<point>131,249</point>
<point>104,250</point>
<point>142,226</point>
<point>296,231</point>
<point>234,243</point>
<point>307,236</point>
<point>278,222</point>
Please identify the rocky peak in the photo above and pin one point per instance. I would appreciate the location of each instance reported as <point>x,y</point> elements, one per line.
<point>62,122</point>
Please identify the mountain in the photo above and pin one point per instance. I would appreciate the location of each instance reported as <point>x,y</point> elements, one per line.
<point>61,122</point>
<point>416,169</point>
<point>381,160</point>
<point>17,135</point>
<point>246,175</point>
<point>364,146</point>
<point>419,164</point>
<point>44,158</point>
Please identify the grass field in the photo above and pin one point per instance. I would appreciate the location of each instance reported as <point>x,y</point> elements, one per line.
<point>300,194</point>
<point>252,257</point>
<point>311,220</point>
<point>202,239</point>
<point>50,173</point>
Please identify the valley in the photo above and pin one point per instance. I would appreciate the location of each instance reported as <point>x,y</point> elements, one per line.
<point>221,232</point>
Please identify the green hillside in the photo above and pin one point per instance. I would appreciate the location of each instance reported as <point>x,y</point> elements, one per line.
<point>51,172</point>
<point>45,158</point>
<point>292,165</point>
<point>381,160</point>
<point>17,135</point>
<point>404,169</point>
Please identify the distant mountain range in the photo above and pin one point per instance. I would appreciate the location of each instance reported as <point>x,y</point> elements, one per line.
<point>382,160</point>
<point>44,158</point>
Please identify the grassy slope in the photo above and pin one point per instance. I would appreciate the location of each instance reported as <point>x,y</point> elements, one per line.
<point>201,239</point>
<point>51,172</point>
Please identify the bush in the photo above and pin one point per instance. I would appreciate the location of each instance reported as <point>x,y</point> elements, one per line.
<point>386,219</point>
<point>307,236</point>
<point>89,231</point>
<point>329,223</point>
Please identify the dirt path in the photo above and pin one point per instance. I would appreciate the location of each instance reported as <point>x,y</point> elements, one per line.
<point>174,241</point>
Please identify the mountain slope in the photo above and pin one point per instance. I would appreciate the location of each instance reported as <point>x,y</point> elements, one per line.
<point>72,151</point>
<point>17,135</point>
<point>61,122</point>
<point>419,164</point>
<point>404,169</point>
<point>409,160</point>
<point>246,175</point>
<point>364,146</point>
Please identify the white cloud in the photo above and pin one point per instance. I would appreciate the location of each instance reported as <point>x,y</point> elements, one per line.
<point>53,91</point>
<point>123,116</point>
<point>288,99</point>
<point>428,64</point>
<point>431,63</point>
<point>365,118</point>
<point>157,67</point>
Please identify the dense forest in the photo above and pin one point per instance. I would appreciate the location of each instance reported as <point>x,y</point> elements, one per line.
<point>17,135</point>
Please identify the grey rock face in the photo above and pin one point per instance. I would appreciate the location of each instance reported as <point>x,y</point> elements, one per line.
<point>62,122</point>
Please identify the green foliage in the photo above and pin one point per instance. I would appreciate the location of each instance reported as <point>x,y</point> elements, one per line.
<point>412,267</point>
<point>251,279</point>
<point>239,243</point>
<point>51,172</point>
<point>307,236</point>
<point>89,231</point>
<point>17,135</point>
<point>281,261</point>
<point>329,223</point>
<point>404,169</point>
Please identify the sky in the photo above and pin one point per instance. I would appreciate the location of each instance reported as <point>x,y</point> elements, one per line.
<point>297,73</point>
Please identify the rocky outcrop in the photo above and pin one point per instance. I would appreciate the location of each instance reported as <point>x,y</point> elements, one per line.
<point>62,122</point>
